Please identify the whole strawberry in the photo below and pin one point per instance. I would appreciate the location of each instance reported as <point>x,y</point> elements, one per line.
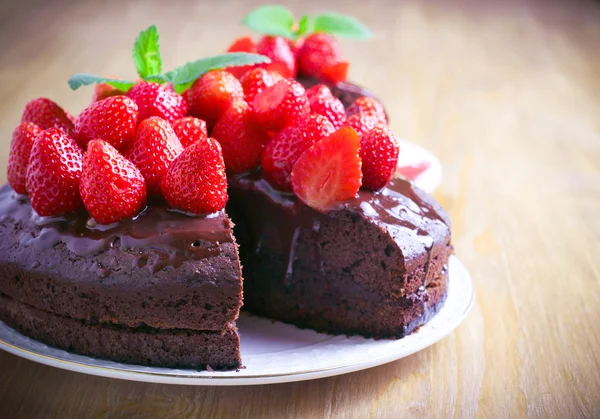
<point>379,154</point>
<point>280,105</point>
<point>47,114</point>
<point>196,181</point>
<point>23,138</point>
<point>190,130</point>
<point>113,120</point>
<point>368,106</point>
<point>212,94</point>
<point>323,102</point>
<point>320,56</point>
<point>241,139</point>
<point>329,171</point>
<point>281,55</point>
<point>283,150</point>
<point>160,100</point>
<point>156,145</point>
<point>243,44</point>
<point>112,188</point>
<point>362,123</point>
<point>53,173</point>
<point>104,90</point>
<point>256,80</point>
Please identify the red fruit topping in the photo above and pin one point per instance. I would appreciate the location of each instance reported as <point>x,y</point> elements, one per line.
<point>241,139</point>
<point>189,130</point>
<point>280,105</point>
<point>53,173</point>
<point>413,171</point>
<point>112,188</point>
<point>335,73</point>
<point>368,106</point>
<point>362,123</point>
<point>23,138</point>
<point>243,44</point>
<point>47,114</point>
<point>295,46</point>
<point>103,90</point>
<point>160,100</point>
<point>329,171</point>
<point>322,102</point>
<point>379,154</point>
<point>156,145</point>
<point>281,153</point>
<point>196,181</point>
<point>319,51</point>
<point>257,80</point>
<point>112,119</point>
<point>212,94</point>
<point>279,51</point>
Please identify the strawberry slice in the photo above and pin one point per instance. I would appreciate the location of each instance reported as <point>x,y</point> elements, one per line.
<point>47,114</point>
<point>412,171</point>
<point>196,181</point>
<point>329,171</point>
<point>156,145</point>
<point>18,158</point>
<point>280,105</point>
<point>379,155</point>
<point>53,173</point>
<point>190,130</point>
<point>335,72</point>
<point>112,188</point>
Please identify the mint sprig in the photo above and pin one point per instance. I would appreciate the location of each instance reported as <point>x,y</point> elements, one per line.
<point>280,21</point>
<point>148,63</point>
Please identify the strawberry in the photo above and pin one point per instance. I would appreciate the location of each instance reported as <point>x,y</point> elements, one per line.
<point>413,171</point>
<point>104,90</point>
<point>112,188</point>
<point>196,181</point>
<point>212,94</point>
<point>283,150</point>
<point>280,105</point>
<point>156,145</point>
<point>112,119</point>
<point>240,138</point>
<point>295,46</point>
<point>189,130</point>
<point>160,100</point>
<point>322,102</point>
<point>369,106</point>
<point>257,80</point>
<point>329,171</point>
<point>379,155</point>
<point>243,44</point>
<point>279,51</point>
<point>362,123</point>
<point>53,173</point>
<point>47,114</point>
<point>23,138</point>
<point>318,52</point>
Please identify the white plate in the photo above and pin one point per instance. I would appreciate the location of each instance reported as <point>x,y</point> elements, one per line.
<point>272,352</point>
<point>412,154</point>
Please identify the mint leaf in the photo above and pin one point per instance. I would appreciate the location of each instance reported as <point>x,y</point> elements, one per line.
<point>78,80</point>
<point>183,77</point>
<point>304,26</point>
<point>146,53</point>
<point>341,25</point>
<point>271,20</point>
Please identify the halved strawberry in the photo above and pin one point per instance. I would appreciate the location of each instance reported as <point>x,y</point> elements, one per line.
<point>196,181</point>
<point>323,102</point>
<point>280,105</point>
<point>283,150</point>
<point>103,90</point>
<point>379,154</point>
<point>321,51</point>
<point>154,99</point>
<point>189,130</point>
<point>23,138</point>
<point>113,120</point>
<point>47,114</point>
<point>329,171</point>
<point>212,94</point>
<point>257,80</point>
<point>278,50</point>
<point>368,106</point>
<point>156,145</point>
<point>53,173</point>
<point>112,188</point>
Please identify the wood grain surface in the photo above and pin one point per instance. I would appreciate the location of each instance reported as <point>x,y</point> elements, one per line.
<point>507,94</point>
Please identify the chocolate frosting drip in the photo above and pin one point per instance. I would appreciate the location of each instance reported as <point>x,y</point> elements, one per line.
<point>178,236</point>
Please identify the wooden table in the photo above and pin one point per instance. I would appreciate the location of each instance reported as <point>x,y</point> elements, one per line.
<point>506,94</point>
